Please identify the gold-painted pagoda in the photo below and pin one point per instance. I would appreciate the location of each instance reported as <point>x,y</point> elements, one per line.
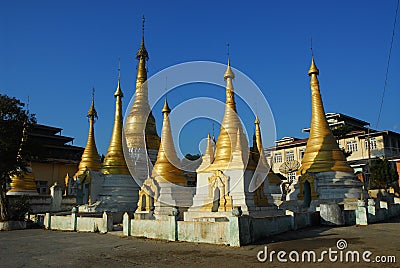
<point>114,161</point>
<point>231,132</point>
<point>167,166</point>
<point>90,157</point>
<point>140,128</point>
<point>24,182</point>
<point>322,151</point>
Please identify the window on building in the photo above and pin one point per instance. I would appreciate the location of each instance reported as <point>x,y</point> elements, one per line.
<point>41,187</point>
<point>302,151</point>
<point>289,155</point>
<point>352,146</point>
<point>278,158</point>
<point>291,176</point>
<point>372,142</point>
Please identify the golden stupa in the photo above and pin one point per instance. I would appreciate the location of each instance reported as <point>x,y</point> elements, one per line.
<point>262,158</point>
<point>24,182</point>
<point>263,164</point>
<point>140,128</point>
<point>167,166</point>
<point>231,131</point>
<point>114,162</point>
<point>90,157</point>
<point>322,151</point>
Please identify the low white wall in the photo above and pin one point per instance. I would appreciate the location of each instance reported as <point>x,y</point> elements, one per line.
<point>90,224</point>
<point>377,211</point>
<point>205,232</point>
<point>80,222</point>
<point>65,223</point>
<point>236,231</point>
<point>254,229</point>
<point>156,229</point>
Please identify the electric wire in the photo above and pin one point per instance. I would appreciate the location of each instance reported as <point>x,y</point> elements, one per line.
<point>387,67</point>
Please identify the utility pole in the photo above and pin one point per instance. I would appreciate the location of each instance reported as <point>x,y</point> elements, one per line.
<point>369,157</point>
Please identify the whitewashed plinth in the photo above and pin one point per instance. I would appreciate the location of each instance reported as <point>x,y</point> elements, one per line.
<point>331,187</point>
<point>172,196</point>
<point>115,193</point>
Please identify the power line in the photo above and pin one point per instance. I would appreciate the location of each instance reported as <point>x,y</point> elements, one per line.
<point>387,67</point>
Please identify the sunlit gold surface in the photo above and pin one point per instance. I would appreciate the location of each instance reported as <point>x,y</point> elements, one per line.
<point>24,182</point>
<point>322,151</point>
<point>263,159</point>
<point>227,139</point>
<point>167,166</point>
<point>140,119</point>
<point>263,163</point>
<point>114,162</point>
<point>90,157</point>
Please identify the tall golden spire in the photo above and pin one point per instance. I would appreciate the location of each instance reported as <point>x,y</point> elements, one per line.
<point>263,165</point>
<point>258,135</point>
<point>114,162</point>
<point>257,159</point>
<point>230,125</point>
<point>322,151</point>
<point>167,165</point>
<point>90,157</point>
<point>140,119</point>
<point>260,147</point>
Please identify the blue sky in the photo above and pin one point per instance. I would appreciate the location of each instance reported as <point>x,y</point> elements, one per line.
<point>56,51</point>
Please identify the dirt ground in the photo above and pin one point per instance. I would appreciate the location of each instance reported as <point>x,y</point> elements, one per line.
<point>44,248</point>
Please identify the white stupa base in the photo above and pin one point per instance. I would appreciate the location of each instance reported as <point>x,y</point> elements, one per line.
<point>332,187</point>
<point>115,193</point>
<point>172,196</point>
<point>239,193</point>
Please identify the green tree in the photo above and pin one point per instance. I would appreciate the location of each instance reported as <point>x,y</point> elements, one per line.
<point>382,174</point>
<point>14,153</point>
<point>341,132</point>
<point>192,157</point>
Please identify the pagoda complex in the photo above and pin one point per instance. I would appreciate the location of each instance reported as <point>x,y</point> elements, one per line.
<point>106,186</point>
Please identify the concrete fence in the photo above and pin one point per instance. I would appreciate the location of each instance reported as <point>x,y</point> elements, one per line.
<point>376,211</point>
<point>233,231</point>
<point>83,222</point>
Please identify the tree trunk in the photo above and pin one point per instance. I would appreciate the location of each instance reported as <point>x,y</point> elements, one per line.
<point>3,200</point>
